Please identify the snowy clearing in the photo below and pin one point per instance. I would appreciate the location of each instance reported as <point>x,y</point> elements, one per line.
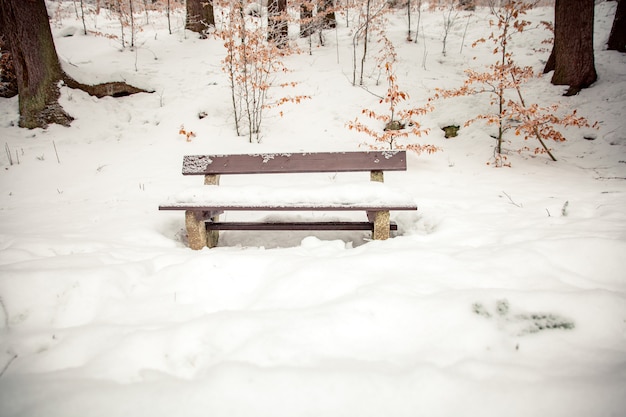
<point>503,295</point>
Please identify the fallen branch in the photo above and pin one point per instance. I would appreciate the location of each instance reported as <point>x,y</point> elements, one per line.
<point>110,89</point>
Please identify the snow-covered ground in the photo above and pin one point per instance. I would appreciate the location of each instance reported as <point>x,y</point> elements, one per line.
<point>503,295</point>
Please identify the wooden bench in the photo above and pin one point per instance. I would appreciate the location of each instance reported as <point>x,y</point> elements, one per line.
<point>203,205</point>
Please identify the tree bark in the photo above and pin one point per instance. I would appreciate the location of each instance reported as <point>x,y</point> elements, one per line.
<point>617,38</point>
<point>8,81</point>
<point>37,67</point>
<point>36,63</point>
<point>199,16</point>
<point>572,56</point>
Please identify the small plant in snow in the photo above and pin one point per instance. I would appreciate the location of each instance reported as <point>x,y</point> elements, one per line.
<point>252,63</point>
<point>479,308</point>
<point>188,134</point>
<point>502,307</point>
<point>503,81</point>
<point>526,323</point>
<point>398,123</point>
<point>449,19</point>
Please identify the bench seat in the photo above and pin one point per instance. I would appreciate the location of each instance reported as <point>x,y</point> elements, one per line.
<point>209,201</point>
<point>329,196</point>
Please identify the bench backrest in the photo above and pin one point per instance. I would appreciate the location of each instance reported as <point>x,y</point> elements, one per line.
<point>275,163</point>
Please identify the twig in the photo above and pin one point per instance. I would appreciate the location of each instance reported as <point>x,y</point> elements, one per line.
<point>6,313</point>
<point>425,54</point>
<point>511,200</point>
<point>8,151</point>
<point>337,43</point>
<point>610,178</point>
<point>371,92</point>
<point>464,33</point>
<point>55,151</point>
<point>535,130</point>
<point>8,364</point>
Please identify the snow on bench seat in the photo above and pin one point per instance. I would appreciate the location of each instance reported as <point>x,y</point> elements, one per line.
<point>345,196</point>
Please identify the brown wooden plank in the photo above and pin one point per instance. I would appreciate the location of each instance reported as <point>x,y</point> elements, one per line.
<point>294,163</point>
<point>266,226</point>
<point>215,209</point>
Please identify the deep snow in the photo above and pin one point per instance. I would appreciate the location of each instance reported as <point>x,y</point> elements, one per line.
<point>503,295</point>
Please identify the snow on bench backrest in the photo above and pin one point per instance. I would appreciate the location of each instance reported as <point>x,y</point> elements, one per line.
<point>273,163</point>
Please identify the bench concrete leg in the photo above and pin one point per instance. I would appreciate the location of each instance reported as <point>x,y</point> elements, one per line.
<point>213,236</point>
<point>377,176</point>
<point>381,225</point>
<point>379,218</point>
<point>196,231</point>
<point>212,179</point>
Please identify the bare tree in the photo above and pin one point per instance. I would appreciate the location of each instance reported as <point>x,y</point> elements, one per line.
<point>449,19</point>
<point>572,55</point>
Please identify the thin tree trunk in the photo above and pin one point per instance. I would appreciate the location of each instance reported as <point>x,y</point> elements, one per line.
<point>131,14</point>
<point>408,14</point>
<point>169,23</point>
<point>365,38</point>
<point>82,15</point>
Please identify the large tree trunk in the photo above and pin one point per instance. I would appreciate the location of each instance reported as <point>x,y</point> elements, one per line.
<point>35,60</point>
<point>37,68</point>
<point>199,16</point>
<point>572,55</point>
<point>617,38</point>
